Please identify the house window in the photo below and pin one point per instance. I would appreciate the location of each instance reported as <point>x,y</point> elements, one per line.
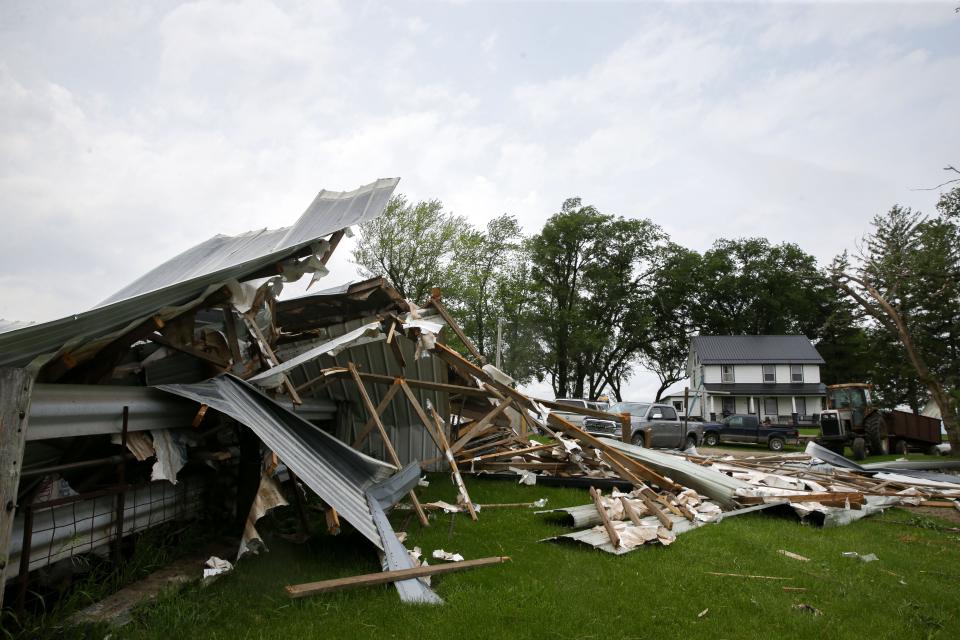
<point>801,406</point>
<point>769,373</point>
<point>796,373</point>
<point>726,373</point>
<point>678,405</point>
<point>770,406</point>
<point>729,405</point>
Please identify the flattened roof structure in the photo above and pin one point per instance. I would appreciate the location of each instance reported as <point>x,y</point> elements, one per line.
<point>755,350</point>
<point>189,277</point>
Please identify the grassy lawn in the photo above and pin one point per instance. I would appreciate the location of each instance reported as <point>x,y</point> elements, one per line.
<point>554,590</point>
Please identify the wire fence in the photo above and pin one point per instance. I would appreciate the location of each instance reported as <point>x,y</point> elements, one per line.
<point>52,530</point>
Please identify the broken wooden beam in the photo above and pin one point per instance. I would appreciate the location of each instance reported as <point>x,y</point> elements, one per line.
<point>611,531</point>
<point>324,586</point>
<point>387,444</point>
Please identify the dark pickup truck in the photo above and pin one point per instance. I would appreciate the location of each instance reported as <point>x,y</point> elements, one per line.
<point>747,429</point>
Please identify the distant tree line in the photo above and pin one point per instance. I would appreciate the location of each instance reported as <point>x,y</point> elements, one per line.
<point>593,297</point>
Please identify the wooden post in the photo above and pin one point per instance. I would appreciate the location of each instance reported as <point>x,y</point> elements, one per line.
<point>391,452</point>
<point>627,427</point>
<point>16,386</point>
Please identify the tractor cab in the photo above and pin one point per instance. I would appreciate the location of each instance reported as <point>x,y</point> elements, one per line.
<point>851,419</point>
<point>851,402</point>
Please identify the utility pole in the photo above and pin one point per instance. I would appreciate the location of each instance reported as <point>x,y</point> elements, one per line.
<point>499,341</point>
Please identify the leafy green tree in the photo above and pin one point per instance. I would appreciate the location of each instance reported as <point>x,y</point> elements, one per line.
<point>590,271</point>
<point>522,353</point>
<point>670,306</point>
<point>413,246</point>
<point>485,260</point>
<point>906,278</point>
<point>750,287</point>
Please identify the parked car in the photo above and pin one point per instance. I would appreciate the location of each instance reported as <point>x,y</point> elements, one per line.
<point>748,429</point>
<point>577,418</point>
<point>666,428</point>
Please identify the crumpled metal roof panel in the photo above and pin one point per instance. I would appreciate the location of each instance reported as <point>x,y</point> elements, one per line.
<point>197,271</point>
<point>337,473</point>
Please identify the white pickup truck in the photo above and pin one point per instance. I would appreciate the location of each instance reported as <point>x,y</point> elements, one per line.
<point>577,418</point>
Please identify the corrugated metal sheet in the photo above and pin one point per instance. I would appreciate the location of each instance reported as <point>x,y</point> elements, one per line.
<point>337,473</point>
<point>70,410</point>
<point>67,410</point>
<point>709,482</point>
<point>755,350</point>
<point>187,278</point>
<point>404,429</point>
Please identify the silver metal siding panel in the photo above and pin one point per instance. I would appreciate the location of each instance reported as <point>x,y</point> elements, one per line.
<point>334,471</point>
<point>206,267</point>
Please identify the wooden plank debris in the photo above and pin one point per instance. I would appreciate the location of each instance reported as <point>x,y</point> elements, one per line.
<point>611,531</point>
<point>324,586</point>
<point>387,444</point>
<point>743,575</point>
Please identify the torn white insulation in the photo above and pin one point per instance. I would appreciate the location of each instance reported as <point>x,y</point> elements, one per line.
<point>171,455</point>
<point>269,496</point>
<point>631,534</point>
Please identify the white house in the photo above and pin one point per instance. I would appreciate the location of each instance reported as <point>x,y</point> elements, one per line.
<point>776,377</point>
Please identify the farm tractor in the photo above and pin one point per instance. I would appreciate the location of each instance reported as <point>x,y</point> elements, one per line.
<point>850,419</point>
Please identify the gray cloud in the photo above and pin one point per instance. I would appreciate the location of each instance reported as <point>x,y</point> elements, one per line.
<point>129,133</point>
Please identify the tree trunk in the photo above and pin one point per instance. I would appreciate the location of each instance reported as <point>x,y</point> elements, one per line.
<point>945,402</point>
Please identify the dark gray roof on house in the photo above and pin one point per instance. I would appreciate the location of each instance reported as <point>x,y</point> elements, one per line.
<point>770,389</point>
<point>755,350</point>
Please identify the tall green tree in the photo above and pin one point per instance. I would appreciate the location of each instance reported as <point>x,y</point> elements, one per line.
<point>750,287</point>
<point>485,260</point>
<point>589,272</point>
<point>906,278</point>
<point>669,305</point>
<point>413,246</point>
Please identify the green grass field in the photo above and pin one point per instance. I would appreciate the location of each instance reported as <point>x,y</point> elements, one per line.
<point>552,590</point>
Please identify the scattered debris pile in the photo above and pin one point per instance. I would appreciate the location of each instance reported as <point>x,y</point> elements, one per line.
<point>196,376</point>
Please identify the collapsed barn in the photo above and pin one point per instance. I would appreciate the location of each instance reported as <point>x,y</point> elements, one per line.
<point>197,388</point>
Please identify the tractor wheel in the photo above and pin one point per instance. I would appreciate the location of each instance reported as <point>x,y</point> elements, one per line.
<point>901,447</point>
<point>874,428</point>
<point>859,449</point>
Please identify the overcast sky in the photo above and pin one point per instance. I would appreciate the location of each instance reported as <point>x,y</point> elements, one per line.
<point>132,131</point>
